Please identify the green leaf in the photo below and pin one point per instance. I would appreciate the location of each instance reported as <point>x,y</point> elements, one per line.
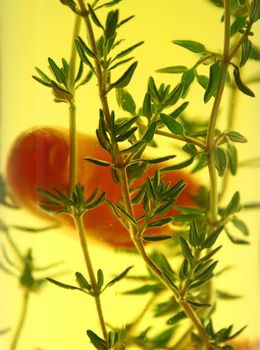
<point>124,126</point>
<point>127,51</point>
<point>156,238</point>
<point>237,333</point>
<point>148,136</point>
<point>91,205</point>
<point>211,239</point>
<point>54,199</point>
<point>71,4</point>
<point>173,125</point>
<point>57,71</point>
<point>187,78</point>
<point>255,14</point>
<point>83,283</point>
<point>108,4</point>
<point>63,285</point>
<point>41,81</point>
<point>84,47</point>
<point>172,69</point>
<point>194,235</point>
<point>190,148</point>
<point>246,51</point>
<point>159,223</point>
<point>43,75</point>
<point>236,240</point>
<point>232,158</point>
<point>125,20</point>
<point>94,17</point>
<point>240,225</point>
<point>127,215</point>
<point>154,93</point>
<point>111,24</point>
<point>220,161</point>
<point>81,51</point>
<point>241,86</point>
<point>203,80</point>
<point>238,24</point>
<point>191,45</point>
<point>98,342</point>
<point>100,279</point>
<point>174,96</point>
<point>234,204</point>
<point>177,318</point>
<point>250,206</point>
<point>30,229</point>
<point>235,136</point>
<point>186,249</point>
<point>214,76</point>
<point>148,288</point>
<point>206,272</point>
<point>126,135</point>
<point>180,165</point>
<point>178,111</point>
<point>160,159</point>
<point>210,254</point>
<point>162,339</point>
<point>118,278</point>
<point>113,338</point>
<point>125,101</point>
<point>184,270</point>
<point>227,296</point>
<point>147,107</point>
<point>124,80</point>
<point>98,161</point>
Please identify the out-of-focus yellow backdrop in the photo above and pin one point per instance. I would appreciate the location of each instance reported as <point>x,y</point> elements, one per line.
<point>33,30</point>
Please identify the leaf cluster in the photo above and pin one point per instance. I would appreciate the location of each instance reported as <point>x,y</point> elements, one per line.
<point>86,287</point>
<point>219,339</point>
<point>60,79</point>
<point>76,204</point>
<point>103,54</point>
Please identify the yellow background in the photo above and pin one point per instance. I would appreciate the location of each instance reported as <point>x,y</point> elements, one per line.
<point>31,31</point>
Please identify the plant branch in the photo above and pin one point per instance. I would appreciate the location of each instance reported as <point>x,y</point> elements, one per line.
<point>121,170</point>
<point>21,320</point>
<point>188,139</point>
<point>74,179</point>
<point>72,111</point>
<point>96,293</point>
<point>73,54</point>
<point>213,120</point>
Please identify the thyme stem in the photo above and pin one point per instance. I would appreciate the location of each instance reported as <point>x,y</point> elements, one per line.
<point>125,189</point>
<point>73,172</point>
<point>188,139</point>
<point>74,179</point>
<point>21,321</point>
<point>213,214</point>
<point>84,245</point>
<point>73,54</point>
<point>73,147</point>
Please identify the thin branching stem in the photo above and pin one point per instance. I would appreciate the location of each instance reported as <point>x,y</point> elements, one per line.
<point>73,54</point>
<point>125,189</point>
<point>73,147</point>
<point>183,138</point>
<point>84,244</point>
<point>74,179</point>
<point>21,321</point>
<point>72,110</point>
<point>213,214</point>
